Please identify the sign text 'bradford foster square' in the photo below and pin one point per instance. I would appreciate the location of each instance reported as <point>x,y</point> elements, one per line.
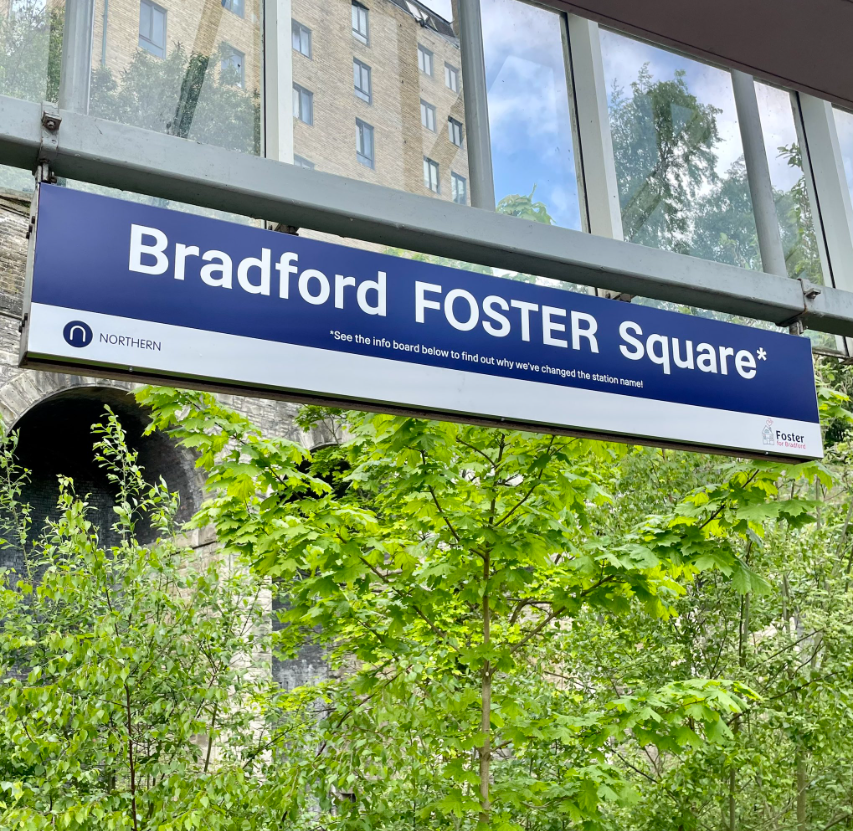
<point>123,289</point>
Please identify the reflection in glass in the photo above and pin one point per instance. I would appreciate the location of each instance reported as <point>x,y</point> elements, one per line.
<point>190,69</point>
<point>844,125</point>
<point>793,208</point>
<point>679,156</point>
<point>31,48</point>
<point>529,115</point>
<point>404,59</point>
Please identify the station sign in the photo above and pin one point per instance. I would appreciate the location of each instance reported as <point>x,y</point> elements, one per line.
<point>125,290</point>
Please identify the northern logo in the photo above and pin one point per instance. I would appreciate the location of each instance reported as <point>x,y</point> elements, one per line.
<point>77,334</point>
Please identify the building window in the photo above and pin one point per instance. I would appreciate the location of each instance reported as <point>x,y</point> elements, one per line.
<point>454,129</point>
<point>152,28</point>
<point>424,60</point>
<point>300,161</point>
<point>360,23</point>
<point>364,149</point>
<point>428,115</point>
<point>361,80</point>
<point>232,66</point>
<point>236,6</point>
<point>451,77</point>
<point>459,187</point>
<point>301,37</point>
<point>303,104</point>
<point>431,180</point>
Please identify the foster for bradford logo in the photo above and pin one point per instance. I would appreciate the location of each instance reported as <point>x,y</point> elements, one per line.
<point>77,333</point>
<point>767,436</point>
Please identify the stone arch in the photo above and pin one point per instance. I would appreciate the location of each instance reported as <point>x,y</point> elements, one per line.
<point>55,438</point>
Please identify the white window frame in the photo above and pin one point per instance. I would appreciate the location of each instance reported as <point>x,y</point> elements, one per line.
<point>428,116</point>
<point>230,5</point>
<point>451,77</point>
<point>432,175</point>
<point>426,60</point>
<point>299,33</point>
<point>226,62</point>
<point>363,129</point>
<point>300,95</point>
<point>145,42</point>
<point>360,70</point>
<point>360,14</point>
<point>457,182</point>
<point>301,161</point>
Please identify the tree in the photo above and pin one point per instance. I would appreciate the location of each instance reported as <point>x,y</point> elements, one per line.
<point>663,141</point>
<point>180,95</point>
<point>128,691</point>
<point>447,576</point>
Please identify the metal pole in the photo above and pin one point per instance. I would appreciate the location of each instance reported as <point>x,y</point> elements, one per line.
<point>475,92</point>
<point>277,79</point>
<point>758,174</point>
<point>829,196</point>
<point>76,66</point>
<point>598,166</point>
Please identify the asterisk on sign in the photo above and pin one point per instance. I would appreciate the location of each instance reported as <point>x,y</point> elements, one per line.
<point>762,355</point>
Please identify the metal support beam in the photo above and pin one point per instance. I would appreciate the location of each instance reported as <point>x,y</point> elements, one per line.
<point>129,158</point>
<point>758,175</point>
<point>76,65</point>
<point>475,96</point>
<point>278,81</point>
<point>835,212</point>
<point>601,189</point>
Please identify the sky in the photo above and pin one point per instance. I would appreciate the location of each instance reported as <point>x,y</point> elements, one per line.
<point>529,107</point>
<point>528,104</point>
<point>441,7</point>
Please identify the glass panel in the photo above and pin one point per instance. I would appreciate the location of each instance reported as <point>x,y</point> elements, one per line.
<point>31,48</point>
<point>844,125</point>
<point>406,107</point>
<point>679,156</point>
<point>793,208</point>
<point>188,69</point>
<point>529,115</point>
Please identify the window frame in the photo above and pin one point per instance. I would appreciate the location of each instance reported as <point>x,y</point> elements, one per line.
<point>426,55</point>
<point>359,11</point>
<point>362,129</point>
<point>299,91</point>
<point>359,70</point>
<point>451,71</point>
<point>431,166</point>
<point>301,161</point>
<point>428,109</point>
<point>300,29</point>
<point>234,52</point>
<point>149,45</point>
<point>455,126</point>
<point>455,180</point>
<point>228,5</point>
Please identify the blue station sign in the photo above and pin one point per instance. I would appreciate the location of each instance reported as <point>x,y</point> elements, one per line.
<point>129,290</point>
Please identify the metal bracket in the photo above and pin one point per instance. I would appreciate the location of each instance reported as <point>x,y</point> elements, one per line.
<point>49,147</point>
<point>810,292</point>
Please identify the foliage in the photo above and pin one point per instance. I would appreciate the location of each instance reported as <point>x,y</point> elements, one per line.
<point>525,208</point>
<point>181,95</point>
<point>447,570</point>
<point>663,140</point>
<point>127,698</point>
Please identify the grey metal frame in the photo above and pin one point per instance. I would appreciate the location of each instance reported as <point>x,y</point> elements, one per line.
<point>81,147</point>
